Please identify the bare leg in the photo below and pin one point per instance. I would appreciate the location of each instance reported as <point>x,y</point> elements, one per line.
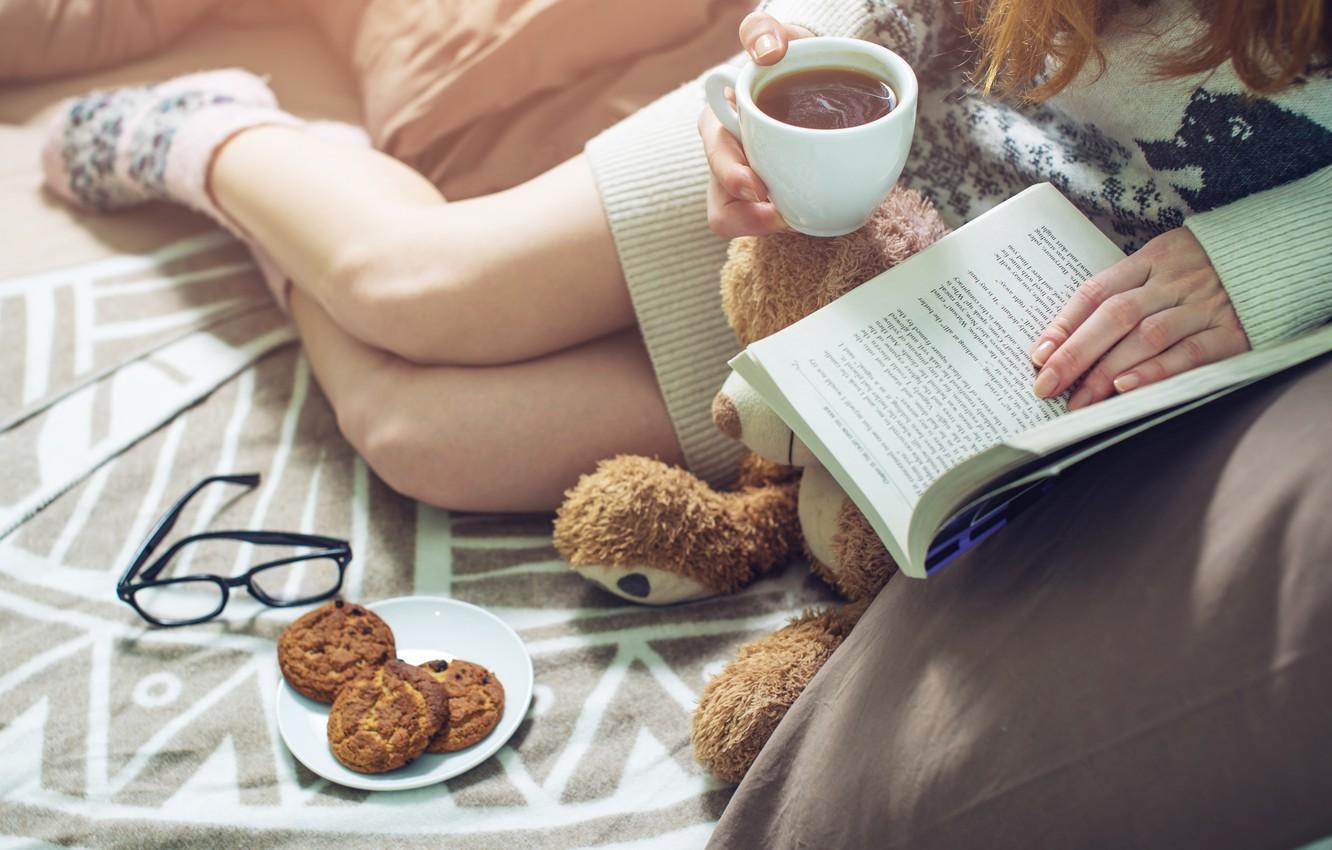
<point>496,438</point>
<point>479,355</point>
<point>484,281</point>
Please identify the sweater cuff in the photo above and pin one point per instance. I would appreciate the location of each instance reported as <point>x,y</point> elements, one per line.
<point>1273,253</point>
<point>825,17</point>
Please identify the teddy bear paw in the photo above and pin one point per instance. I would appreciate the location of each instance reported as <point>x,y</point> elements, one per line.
<point>741,706</point>
<point>655,534</point>
<point>645,585</point>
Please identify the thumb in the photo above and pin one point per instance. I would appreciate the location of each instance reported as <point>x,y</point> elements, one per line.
<point>765,38</point>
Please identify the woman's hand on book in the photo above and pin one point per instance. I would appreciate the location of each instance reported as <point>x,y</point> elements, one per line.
<point>738,202</point>
<point>1156,313</point>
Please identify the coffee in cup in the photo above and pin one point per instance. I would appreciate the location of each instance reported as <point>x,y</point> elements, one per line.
<point>823,181</point>
<point>826,98</point>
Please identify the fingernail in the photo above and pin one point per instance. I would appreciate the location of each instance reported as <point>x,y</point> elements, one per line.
<point>1079,399</point>
<point>765,45</point>
<point>1126,382</point>
<point>1042,353</point>
<point>1045,384</point>
<point>749,195</point>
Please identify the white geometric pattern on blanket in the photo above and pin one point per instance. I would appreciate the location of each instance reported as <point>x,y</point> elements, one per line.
<point>591,767</point>
<point>185,351</point>
<point>99,280</point>
<point>651,779</point>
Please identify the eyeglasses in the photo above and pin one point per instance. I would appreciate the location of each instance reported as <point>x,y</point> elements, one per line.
<point>281,583</point>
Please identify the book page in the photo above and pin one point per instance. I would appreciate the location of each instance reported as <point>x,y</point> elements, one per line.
<point>927,364</point>
<point>1228,374</point>
<point>1049,449</point>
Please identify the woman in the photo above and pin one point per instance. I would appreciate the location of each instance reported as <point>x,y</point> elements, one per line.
<point>1166,308</point>
<point>481,354</point>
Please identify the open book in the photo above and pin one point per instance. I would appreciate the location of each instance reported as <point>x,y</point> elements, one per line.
<point>914,389</point>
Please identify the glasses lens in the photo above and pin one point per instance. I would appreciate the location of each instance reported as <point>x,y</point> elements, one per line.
<point>181,600</point>
<point>298,581</point>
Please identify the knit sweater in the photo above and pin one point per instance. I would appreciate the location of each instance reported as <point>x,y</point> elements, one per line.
<point>1250,176</point>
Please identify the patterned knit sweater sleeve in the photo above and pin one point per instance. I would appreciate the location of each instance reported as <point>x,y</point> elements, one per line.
<point>923,32</point>
<point>1273,253</point>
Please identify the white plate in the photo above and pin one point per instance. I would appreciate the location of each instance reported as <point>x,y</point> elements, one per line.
<point>425,628</point>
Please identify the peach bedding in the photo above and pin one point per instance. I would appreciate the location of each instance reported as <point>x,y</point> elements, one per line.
<point>477,95</point>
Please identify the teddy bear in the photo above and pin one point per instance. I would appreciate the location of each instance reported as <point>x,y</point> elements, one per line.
<point>653,533</point>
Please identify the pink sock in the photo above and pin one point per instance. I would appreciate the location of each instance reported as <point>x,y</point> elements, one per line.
<point>115,149</point>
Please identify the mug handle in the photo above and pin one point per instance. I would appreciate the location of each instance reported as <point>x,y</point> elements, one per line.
<point>722,77</point>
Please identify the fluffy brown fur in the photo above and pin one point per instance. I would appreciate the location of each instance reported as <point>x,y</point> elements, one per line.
<point>901,226</point>
<point>768,283</point>
<point>864,565</point>
<point>741,706</point>
<point>756,472</point>
<point>633,511</point>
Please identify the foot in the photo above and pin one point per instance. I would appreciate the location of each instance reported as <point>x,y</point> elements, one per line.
<point>845,551</point>
<point>742,705</point>
<point>114,149</point>
<point>654,534</point>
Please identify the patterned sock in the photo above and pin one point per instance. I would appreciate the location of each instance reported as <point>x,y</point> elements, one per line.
<point>116,149</point>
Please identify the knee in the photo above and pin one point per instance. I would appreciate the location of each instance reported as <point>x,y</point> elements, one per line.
<point>372,281</point>
<point>414,454</point>
<point>389,443</point>
<point>388,293</point>
<point>371,419</point>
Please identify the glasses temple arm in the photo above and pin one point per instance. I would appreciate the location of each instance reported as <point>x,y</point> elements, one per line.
<point>168,520</point>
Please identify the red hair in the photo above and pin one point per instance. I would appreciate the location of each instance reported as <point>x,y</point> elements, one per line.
<point>1268,42</point>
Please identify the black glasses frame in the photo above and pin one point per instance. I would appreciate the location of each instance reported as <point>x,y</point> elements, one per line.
<point>325,547</point>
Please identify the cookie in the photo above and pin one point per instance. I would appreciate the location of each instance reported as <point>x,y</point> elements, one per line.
<point>476,701</point>
<point>382,721</point>
<point>329,646</point>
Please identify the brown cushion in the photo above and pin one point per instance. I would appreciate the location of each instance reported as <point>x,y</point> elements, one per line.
<point>1143,659</point>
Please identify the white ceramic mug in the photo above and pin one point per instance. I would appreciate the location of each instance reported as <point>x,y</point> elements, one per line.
<point>823,182</point>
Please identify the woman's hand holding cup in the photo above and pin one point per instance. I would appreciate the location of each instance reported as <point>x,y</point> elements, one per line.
<point>738,203</point>
<point>826,145</point>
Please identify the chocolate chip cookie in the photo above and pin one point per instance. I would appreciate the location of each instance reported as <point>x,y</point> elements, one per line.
<point>329,646</point>
<point>384,720</point>
<point>476,701</point>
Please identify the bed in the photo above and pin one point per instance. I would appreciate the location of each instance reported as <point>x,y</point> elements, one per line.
<point>1138,661</point>
<point>142,353</point>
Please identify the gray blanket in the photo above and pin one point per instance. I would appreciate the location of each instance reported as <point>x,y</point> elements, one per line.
<point>129,378</point>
